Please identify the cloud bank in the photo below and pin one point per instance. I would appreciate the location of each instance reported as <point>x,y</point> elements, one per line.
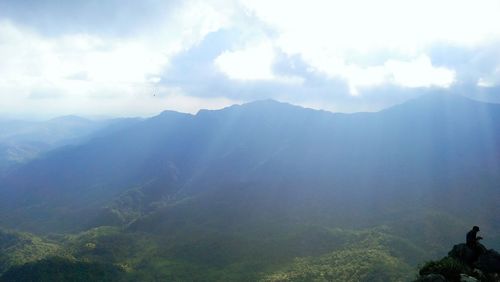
<point>126,58</point>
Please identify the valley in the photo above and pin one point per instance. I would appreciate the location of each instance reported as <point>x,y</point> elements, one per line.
<point>264,191</point>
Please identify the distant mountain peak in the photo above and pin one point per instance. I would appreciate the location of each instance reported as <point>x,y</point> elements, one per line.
<point>69,118</point>
<point>172,113</point>
<point>258,105</point>
<point>168,115</point>
<point>267,104</point>
<point>438,102</point>
<point>444,97</point>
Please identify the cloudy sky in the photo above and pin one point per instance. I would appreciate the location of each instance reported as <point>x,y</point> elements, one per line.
<point>137,58</point>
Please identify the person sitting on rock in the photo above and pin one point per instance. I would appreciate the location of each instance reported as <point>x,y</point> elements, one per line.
<point>472,241</point>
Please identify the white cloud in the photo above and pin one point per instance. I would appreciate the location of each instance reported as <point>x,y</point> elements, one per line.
<point>419,73</point>
<point>75,66</point>
<point>327,35</point>
<point>26,56</point>
<point>255,62</point>
<point>83,68</point>
<point>483,82</point>
<point>490,80</point>
<point>251,63</point>
<point>367,25</point>
<point>336,39</point>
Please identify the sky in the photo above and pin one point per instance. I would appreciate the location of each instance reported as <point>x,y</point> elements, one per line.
<point>138,58</point>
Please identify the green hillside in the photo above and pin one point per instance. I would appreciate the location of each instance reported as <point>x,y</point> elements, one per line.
<point>263,191</point>
<point>302,251</point>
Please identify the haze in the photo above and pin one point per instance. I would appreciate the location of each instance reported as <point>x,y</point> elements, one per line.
<point>137,58</point>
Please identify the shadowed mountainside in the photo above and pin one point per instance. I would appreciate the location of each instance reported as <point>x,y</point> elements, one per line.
<point>270,191</point>
<point>279,156</point>
<point>22,141</point>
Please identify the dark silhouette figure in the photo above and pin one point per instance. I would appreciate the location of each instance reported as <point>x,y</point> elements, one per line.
<point>472,241</point>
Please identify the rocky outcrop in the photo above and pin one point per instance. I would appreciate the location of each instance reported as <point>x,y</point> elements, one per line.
<point>433,277</point>
<point>489,262</point>
<point>463,264</point>
<point>466,278</point>
<point>465,254</point>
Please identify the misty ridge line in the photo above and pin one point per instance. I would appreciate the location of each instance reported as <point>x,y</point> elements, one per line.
<point>264,185</point>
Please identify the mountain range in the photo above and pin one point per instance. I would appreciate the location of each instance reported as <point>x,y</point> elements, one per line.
<point>421,172</point>
<point>22,141</point>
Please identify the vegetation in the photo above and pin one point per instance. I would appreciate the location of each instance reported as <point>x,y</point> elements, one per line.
<point>302,252</point>
<point>62,269</point>
<point>263,191</point>
<point>265,251</point>
<point>461,261</point>
<point>346,265</point>
<point>17,248</point>
<point>449,267</point>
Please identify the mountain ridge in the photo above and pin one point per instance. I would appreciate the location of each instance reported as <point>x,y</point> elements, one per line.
<point>267,191</point>
<point>268,142</point>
